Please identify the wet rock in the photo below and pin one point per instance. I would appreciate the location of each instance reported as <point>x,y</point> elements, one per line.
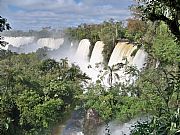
<point>74,126</point>
<point>91,122</point>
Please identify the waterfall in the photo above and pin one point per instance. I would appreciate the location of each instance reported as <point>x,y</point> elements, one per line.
<point>81,56</point>
<point>79,53</point>
<point>140,59</point>
<point>122,50</point>
<point>50,42</point>
<point>120,54</point>
<point>20,44</point>
<point>96,56</point>
<point>18,41</point>
<point>83,50</point>
<point>29,44</point>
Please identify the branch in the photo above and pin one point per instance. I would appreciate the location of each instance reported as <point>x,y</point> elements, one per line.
<point>172,24</point>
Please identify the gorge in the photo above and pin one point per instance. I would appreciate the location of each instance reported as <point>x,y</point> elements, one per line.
<point>98,67</point>
<point>58,48</point>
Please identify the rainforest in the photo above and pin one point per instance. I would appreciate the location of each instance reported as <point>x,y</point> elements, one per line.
<point>108,78</point>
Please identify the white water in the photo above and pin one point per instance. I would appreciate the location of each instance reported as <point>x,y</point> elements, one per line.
<point>122,50</point>
<point>81,57</point>
<point>83,50</point>
<point>96,56</point>
<point>121,128</point>
<point>122,54</point>
<point>18,41</point>
<point>29,44</point>
<point>140,59</point>
<point>50,42</point>
<point>96,60</point>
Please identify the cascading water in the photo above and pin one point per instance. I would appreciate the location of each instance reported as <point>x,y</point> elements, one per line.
<point>83,50</point>
<point>81,56</point>
<point>50,42</point>
<point>96,56</point>
<point>29,44</point>
<point>18,41</point>
<point>20,44</point>
<point>122,54</point>
<point>140,59</point>
<point>122,50</point>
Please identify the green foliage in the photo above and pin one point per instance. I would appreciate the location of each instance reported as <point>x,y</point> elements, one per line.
<point>107,35</point>
<point>66,91</point>
<point>36,94</point>
<point>97,98</point>
<point>136,29</point>
<point>155,92</point>
<point>167,124</point>
<point>159,84</point>
<point>160,88</point>
<point>48,113</point>
<point>36,114</point>
<point>42,53</point>
<point>165,48</point>
<point>49,65</point>
<point>108,32</point>
<point>162,10</point>
<point>114,103</point>
<point>4,25</point>
<point>131,107</point>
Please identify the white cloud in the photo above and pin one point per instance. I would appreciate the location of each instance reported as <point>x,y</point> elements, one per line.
<point>60,13</point>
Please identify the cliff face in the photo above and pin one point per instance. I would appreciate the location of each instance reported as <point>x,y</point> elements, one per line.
<point>91,122</point>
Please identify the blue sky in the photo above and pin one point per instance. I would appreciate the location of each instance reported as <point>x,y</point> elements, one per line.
<point>35,14</point>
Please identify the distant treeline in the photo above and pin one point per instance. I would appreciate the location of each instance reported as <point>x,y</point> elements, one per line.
<point>46,32</point>
<point>110,32</point>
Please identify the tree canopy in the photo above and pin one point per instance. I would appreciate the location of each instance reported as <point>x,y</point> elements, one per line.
<point>167,11</point>
<point>4,25</point>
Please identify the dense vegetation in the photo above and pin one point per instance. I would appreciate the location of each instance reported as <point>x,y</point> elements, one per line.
<point>35,94</point>
<point>108,32</point>
<point>46,32</point>
<point>4,25</point>
<point>156,91</point>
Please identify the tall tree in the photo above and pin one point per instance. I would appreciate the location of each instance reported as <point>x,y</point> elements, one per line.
<point>165,49</point>
<point>4,25</point>
<point>167,11</point>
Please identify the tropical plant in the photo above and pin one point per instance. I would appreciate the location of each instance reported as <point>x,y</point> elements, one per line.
<point>4,25</point>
